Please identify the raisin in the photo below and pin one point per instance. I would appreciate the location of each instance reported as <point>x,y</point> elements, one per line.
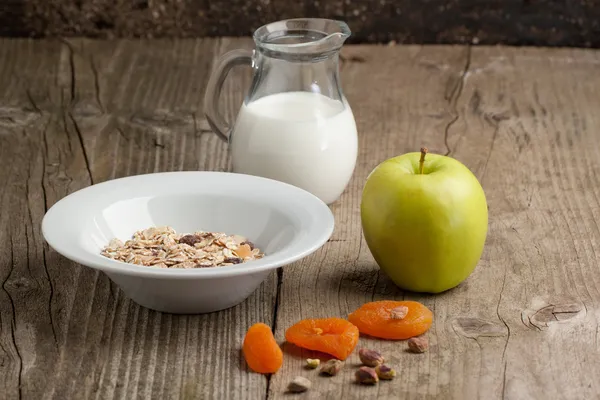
<point>190,240</point>
<point>233,260</point>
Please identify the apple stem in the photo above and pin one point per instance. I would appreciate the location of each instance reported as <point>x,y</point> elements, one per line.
<point>422,160</point>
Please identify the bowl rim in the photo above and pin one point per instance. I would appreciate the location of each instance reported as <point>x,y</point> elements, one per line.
<point>319,233</point>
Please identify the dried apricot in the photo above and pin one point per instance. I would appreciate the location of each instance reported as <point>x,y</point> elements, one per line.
<point>261,351</point>
<point>379,319</point>
<point>243,251</point>
<point>334,336</point>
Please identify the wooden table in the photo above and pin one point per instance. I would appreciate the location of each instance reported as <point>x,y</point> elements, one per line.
<point>524,325</point>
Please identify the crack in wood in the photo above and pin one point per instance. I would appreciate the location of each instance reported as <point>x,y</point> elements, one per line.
<point>203,127</point>
<point>71,52</point>
<point>494,121</point>
<point>83,149</point>
<point>453,99</point>
<point>45,247</point>
<point>158,143</point>
<point>27,241</point>
<point>32,101</point>
<point>66,129</point>
<point>96,83</point>
<point>44,162</point>
<point>274,323</point>
<point>504,379</point>
<point>536,97</point>
<point>502,319</point>
<point>14,320</point>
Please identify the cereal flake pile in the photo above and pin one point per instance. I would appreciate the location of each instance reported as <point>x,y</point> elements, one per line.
<point>162,247</point>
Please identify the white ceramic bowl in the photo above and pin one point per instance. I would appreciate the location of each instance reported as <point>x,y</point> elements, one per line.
<point>286,222</point>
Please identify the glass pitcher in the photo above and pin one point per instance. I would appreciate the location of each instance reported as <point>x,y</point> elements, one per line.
<point>295,124</point>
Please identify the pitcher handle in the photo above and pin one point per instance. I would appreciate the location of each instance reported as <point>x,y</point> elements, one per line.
<point>215,118</point>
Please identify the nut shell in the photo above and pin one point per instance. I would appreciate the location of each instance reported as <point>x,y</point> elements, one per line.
<point>370,358</point>
<point>366,376</point>
<point>299,384</point>
<point>418,344</point>
<point>332,367</point>
<point>384,372</point>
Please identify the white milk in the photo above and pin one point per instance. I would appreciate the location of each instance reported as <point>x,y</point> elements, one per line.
<point>302,138</point>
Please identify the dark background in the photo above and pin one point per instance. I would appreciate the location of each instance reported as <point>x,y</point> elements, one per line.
<point>514,22</point>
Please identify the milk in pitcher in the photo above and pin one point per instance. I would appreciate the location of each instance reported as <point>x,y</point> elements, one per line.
<point>302,138</point>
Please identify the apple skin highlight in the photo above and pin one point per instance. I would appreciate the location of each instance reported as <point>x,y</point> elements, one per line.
<point>425,230</point>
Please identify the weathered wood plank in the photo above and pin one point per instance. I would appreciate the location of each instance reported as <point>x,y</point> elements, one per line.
<point>524,324</point>
<point>527,128</point>
<point>106,109</point>
<point>28,328</point>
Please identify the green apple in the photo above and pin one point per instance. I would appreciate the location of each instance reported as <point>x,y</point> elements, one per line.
<point>424,218</point>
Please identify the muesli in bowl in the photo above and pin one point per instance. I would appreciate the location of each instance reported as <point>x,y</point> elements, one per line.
<point>163,247</point>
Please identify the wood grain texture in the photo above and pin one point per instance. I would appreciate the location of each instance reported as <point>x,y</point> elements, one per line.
<point>79,112</point>
<point>524,325</point>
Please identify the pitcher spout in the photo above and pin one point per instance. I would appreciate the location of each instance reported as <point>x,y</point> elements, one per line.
<point>337,33</point>
<point>302,37</point>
